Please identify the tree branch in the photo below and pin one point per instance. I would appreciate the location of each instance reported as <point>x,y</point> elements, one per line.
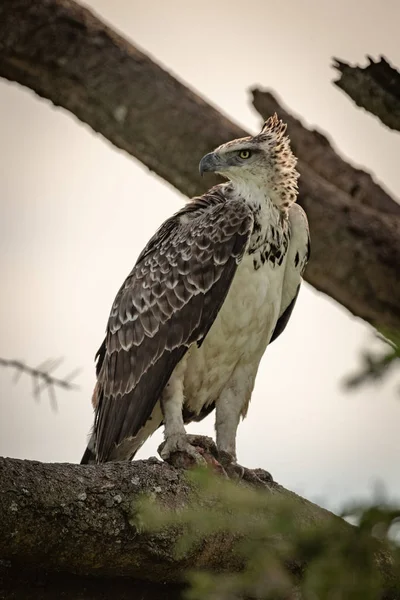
<point>62,518</point>
<point>64,53</point>
<point>316,151</point>
<point>375,87</point>
<point>355,225</point>
<point>42,378</point>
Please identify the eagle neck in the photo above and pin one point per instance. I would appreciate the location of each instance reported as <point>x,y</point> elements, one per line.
<point>269,239</point>
<point>258,199</point>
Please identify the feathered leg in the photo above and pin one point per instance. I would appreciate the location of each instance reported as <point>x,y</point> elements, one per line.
<point>232,403</point>
<point>176,439</point>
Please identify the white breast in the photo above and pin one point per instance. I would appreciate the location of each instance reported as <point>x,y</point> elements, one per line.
<point>240,332</point>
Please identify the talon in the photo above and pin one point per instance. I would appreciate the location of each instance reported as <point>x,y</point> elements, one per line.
<point>226,459</point>
<point>234,471</point>
<point>257,477</point>
<point>263,476</point>
<point>259,481</point>
<point>204,443</point>
<point>176,445</point>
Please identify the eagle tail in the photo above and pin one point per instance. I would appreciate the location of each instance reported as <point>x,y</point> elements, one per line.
<point>89,456</point>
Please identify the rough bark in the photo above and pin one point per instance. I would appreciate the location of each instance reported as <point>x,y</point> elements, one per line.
<point>59,519</point>
<point>375,87</point>
<point>355,225</point>
<point>316,151</point>
<point>64,53</point>
<point>359,253</point>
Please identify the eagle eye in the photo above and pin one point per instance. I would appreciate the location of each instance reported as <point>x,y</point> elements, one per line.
<point>244,154</point>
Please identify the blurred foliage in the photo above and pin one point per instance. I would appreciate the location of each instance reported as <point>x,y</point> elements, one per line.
<point>376,365</point>
<point>281,554</point>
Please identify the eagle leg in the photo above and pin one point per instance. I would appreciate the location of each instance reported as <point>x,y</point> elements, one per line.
<point>176,438</point>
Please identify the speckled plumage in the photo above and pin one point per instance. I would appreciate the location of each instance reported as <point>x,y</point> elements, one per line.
<point>211,289</point>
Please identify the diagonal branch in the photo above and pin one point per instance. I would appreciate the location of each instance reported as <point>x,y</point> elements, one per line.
<point>63,518</point>
<point>355,225</point>
<point>316,151</point>
<point>64,53</point>
<point>375,87</point>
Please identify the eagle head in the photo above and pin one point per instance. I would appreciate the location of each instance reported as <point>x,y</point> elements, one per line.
<point>264,161</point>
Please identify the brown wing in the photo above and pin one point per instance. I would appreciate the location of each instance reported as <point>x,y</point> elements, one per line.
<point>168,302</point>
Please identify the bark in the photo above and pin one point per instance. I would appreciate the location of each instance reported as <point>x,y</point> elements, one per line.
<point>73,532</point>
<point>375,87</point>
<point>316,151</point>
<point>64,53</point>
<point>355,225</point>
<point>359,253</point>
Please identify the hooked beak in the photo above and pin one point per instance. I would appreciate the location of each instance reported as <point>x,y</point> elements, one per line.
<point>210,162</point>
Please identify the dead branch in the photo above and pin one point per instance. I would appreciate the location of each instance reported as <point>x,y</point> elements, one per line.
<point>375,87</point>
<point>64,53</point>
<point>316,151</point>
<point>355,226</point>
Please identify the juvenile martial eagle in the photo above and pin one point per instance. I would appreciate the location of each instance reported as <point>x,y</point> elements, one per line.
<point>213,287</point>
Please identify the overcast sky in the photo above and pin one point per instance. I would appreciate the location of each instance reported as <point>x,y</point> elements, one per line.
<point>76,212</point>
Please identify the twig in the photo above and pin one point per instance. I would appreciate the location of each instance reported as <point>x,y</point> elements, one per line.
<point>376,365</point>
<point>42,378</point>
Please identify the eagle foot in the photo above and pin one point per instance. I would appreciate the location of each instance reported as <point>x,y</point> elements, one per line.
<point>256,477</point>
<point>180,452</point>
<point>190,451</point>
<point>185,451</point>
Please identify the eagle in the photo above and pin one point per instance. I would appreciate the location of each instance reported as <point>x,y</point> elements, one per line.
<point>213,287</point>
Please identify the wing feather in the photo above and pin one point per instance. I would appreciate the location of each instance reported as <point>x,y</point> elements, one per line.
<point>168,302</point>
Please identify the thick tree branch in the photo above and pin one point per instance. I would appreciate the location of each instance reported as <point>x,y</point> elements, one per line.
<point>316,151</point>
<point>355,225</point>
<point>375,87</point>
<point>66,54</point>
<point>62,518</point>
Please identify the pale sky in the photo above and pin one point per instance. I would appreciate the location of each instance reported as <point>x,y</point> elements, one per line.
<point>76,212</point>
